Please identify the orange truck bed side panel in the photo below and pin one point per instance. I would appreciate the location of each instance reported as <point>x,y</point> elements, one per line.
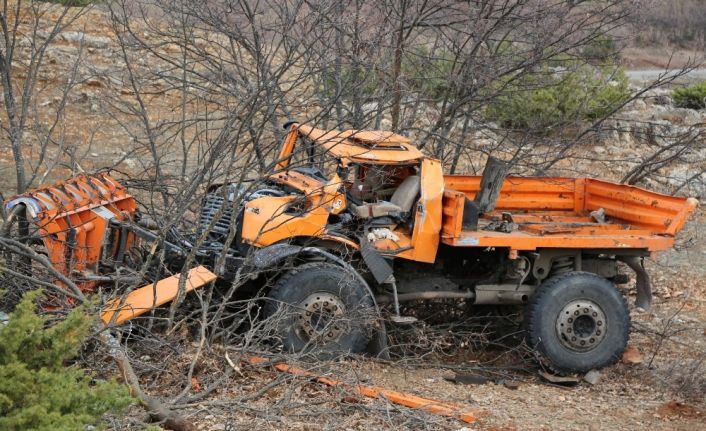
<point>555,212</point>
<point>522,193</point>
<point>525,241</point>
<point>452,205</point>
<point>144,299</point>
<point>654,211</point>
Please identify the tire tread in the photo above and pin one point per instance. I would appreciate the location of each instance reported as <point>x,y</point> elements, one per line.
<point>533,317</point>
<point>284,282</point>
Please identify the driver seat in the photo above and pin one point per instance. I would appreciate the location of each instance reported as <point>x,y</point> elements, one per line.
<point>400,203</point>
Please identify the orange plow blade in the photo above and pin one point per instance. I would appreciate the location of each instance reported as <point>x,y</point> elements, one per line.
<point>73,220</point>
<point>148,297</point>
<point>399,398</point>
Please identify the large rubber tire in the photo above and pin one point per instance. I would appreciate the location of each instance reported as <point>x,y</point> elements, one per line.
<point>586,304</point>
<point>345,327</point>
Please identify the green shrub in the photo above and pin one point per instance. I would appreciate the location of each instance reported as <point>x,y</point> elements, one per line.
<point>692,97</point>
<point>38,391</point>
<point>602,49</point>
<point>362,81</point>
<point>555,97</point>
<point>428,73</point>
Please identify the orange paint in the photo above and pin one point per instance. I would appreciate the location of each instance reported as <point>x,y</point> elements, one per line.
<point>144,299</point>
<point>74,216</point>
<point>358,146</point>
<point>554,212</point>
<point>73,219</point>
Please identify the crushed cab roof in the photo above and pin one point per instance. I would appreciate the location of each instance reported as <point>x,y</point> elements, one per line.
<point>364,146</point>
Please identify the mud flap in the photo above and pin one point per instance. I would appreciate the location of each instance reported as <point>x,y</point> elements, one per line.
<point>378,266</point>
<point>642,281</point>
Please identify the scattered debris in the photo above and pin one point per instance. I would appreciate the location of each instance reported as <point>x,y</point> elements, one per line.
<point>467,379</point>
<point>632,356</point>
<point>505,225</point>
<point>598,215</point>
<point>382,233</point>
<point>511,384</point>
<point>400,398</point>
<point>592,377</point>
<point>236,368</point>
<point>562,380</point>
<point>348,399</point>
<point>195,385</point>
<point>673,409</point>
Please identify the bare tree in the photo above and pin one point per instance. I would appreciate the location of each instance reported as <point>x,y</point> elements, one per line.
<point>22,64</point>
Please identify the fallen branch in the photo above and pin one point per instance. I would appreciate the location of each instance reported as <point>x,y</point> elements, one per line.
<point>22,250</point>
<point>158,411</point>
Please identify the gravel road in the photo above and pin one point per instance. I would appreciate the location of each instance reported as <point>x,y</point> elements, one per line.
<point>652,74</point>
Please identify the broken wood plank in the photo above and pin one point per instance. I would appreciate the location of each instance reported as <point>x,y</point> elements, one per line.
<point>492,181</point>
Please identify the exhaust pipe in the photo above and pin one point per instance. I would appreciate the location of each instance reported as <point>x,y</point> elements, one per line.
<point>416,296</point>
<point>486,294</point>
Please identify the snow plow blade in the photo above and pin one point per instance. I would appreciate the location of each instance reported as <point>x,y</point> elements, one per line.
<point>146,298</point>
<point>73,220</point>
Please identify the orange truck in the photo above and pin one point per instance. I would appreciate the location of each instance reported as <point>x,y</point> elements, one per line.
<point>349,220</point>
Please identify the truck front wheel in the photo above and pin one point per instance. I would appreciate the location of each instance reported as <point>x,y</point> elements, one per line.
<point>321,307</point>
<point>578,321</point>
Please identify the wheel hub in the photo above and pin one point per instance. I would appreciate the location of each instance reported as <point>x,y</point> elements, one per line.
<point>320,317</point>
<point>581,325</point>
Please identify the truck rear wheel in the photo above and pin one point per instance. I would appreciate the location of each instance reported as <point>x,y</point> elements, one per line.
<point>578,321</point>
<point>321,307</point>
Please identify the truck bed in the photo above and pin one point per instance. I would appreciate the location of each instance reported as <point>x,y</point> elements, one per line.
<point>556,213</point>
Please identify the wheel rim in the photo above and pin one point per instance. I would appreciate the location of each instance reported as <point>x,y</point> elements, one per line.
<point>320,317</point>
<point>581,325</point>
